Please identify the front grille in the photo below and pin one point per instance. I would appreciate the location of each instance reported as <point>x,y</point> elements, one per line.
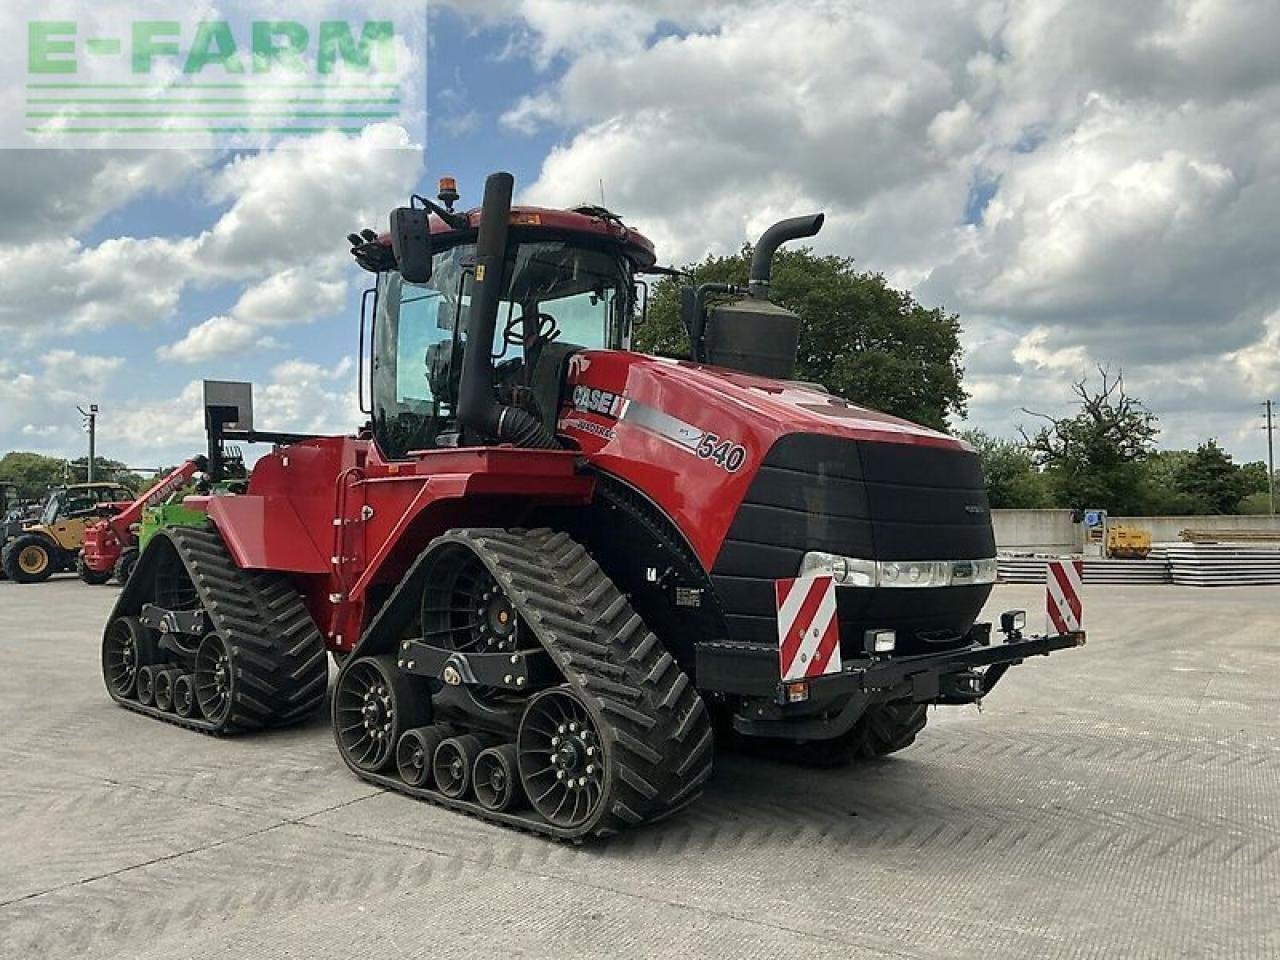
<point>875,501</point>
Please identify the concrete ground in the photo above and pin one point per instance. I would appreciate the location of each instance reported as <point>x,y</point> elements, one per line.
<point>1118,801</point>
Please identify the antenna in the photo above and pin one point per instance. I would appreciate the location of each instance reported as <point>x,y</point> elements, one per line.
<point>602,203</point>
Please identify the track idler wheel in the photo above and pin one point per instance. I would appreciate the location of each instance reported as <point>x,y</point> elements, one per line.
<point>184,695</point>
<point>414,753</point>
<point>146,688</point>
<point>164,680</point>
<point>453,762</point>
<point>563,765</point>
<point>126,647</point>
<point>214,679</point>
<point>373,702</point>
<point>496,775</point>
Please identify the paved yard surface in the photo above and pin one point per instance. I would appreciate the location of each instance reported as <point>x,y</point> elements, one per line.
<point>1118,801</point>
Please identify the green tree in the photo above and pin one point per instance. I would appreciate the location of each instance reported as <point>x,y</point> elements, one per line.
<point>1095,457</point>
<point>32,472</point>
<point>1213,482</point>
<point>860,338</point>
<point>1013,479</point>
<point>1162,492</point>
<point>35,473</point>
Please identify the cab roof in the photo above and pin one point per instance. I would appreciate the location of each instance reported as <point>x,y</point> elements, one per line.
<point>590,222</point>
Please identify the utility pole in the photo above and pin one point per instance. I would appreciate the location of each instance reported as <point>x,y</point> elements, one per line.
<point>1271,455</point>
<point>91,424</point>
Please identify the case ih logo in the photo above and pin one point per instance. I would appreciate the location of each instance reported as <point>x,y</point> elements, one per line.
<point>592,400</point>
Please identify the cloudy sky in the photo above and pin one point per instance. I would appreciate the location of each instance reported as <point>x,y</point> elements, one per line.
<point>1083,181</point>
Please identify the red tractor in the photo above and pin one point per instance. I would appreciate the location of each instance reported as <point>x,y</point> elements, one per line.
<point>111,546</point>
<point>549,562</point>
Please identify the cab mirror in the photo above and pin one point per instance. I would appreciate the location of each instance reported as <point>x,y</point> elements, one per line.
<point>411,243</point>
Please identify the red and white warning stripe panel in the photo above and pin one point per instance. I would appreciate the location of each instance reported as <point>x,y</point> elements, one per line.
<point>1063,582</point>
<point>808,632</point>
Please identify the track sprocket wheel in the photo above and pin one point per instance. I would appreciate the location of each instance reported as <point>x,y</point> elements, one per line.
<point>564,767</point>
<point>372,704</point>
<point>126,646</point>
<point>214,679</point>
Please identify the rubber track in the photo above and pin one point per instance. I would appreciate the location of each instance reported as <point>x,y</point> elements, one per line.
<point>658,729</point>
<point>280,665</point>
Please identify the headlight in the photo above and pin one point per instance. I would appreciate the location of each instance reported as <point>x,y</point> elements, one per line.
<point>852,572</point>
<point>846,571</point>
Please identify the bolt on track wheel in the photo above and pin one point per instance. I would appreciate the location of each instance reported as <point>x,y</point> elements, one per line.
<point>184,695</point>
<point>464,608</point>
<point>146,685</point>
<point>496,776</point>
<point>126,646</point>
<point>164,679</point>
<point>372,703</point>
<point>214,679</point>
<point>452,764</point>
<point>414,753</point>
<point>562,759</point>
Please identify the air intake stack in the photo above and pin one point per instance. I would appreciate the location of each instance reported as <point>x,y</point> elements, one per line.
<point>753,334</point>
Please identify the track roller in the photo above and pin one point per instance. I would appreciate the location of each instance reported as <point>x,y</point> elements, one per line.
<point>496,775</point>
<point>146,687</point>
<point>452,765</point>
<point>184,695</point>
<point>414,753</point>
<point>373,702</point>
<point>164,678</point>
<point>126,646</point>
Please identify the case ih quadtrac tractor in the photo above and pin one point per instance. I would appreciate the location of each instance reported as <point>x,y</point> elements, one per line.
<point>549,562</point>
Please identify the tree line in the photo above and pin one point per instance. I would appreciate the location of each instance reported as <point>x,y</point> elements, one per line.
<point>33,473</point>
<point>1104,457</point>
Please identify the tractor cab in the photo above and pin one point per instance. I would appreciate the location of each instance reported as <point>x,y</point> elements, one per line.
<point>569,283</point>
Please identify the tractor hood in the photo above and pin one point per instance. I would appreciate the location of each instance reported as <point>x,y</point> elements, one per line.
<point>694,437</point>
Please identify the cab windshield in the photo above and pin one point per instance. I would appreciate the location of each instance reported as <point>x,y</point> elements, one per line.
<point>556,293</point>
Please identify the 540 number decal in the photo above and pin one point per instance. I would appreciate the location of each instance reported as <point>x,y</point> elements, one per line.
<point>724,453</point>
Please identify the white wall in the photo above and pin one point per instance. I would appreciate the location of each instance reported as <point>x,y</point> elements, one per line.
<point>1052,532</point>
<point>1169,528</point>
<point>1036,531</point>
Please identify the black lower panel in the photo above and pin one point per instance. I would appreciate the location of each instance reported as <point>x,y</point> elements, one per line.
<point>871,500</point>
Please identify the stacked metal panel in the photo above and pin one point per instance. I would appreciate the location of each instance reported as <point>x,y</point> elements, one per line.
<point>1223,564</point>
<point>1032,570</point>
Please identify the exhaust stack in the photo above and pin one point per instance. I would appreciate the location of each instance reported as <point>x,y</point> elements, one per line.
<point>797,228</point>
<point>479,412</point>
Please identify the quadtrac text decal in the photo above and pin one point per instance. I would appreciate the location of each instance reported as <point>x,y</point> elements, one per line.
<point>725,453</point>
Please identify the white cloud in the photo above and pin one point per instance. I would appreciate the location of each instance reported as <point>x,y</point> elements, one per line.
<point>287,216</point>
<point>290,298</point>
<point>298,397</point>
